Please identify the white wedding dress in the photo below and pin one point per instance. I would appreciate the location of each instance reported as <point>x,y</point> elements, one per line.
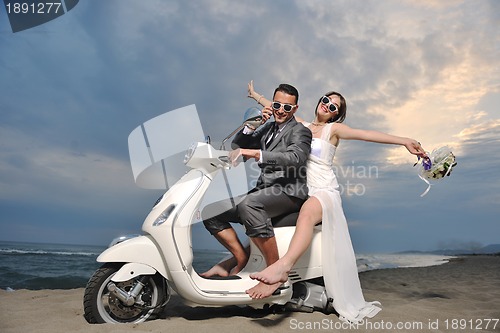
<point>340,270</point>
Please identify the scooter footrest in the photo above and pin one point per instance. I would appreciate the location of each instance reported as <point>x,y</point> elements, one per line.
<point>218,277</point>
<point>280,288</point>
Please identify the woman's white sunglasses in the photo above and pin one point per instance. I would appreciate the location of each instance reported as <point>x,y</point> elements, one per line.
<point>328,102</point>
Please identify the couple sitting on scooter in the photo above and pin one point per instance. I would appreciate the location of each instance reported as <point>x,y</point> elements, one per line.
<point>283,148</point>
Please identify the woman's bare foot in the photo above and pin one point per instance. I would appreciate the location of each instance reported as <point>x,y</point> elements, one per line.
<point>275,273</point>
<point>262,290</point>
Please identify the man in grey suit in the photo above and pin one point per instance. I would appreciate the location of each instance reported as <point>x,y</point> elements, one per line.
<point>281,148</point>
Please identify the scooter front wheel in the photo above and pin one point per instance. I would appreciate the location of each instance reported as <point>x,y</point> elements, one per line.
<point>101,305</point>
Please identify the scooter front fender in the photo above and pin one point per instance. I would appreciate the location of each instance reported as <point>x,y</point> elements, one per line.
<point>141,250</point>
<point>131,270</point>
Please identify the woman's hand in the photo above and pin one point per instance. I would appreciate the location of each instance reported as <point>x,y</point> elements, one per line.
<point>260,99</point>
<point>415,148</point>
<point>267,112</point>
<point>251,91</point>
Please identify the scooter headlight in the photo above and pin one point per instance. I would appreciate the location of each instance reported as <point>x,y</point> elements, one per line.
<point>164,215</point>
<point>190,152</point>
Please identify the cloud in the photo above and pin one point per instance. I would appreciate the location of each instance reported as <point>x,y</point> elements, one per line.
<point>76,87</point>
<point>483,131</point>
<point>69,176</point>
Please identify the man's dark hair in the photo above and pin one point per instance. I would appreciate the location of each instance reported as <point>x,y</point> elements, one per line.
<point>289,90</point>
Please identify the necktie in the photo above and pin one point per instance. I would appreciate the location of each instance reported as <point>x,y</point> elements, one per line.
<point>274,133</point>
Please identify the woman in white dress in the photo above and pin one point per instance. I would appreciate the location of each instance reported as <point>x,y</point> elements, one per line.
<point>324,204</point>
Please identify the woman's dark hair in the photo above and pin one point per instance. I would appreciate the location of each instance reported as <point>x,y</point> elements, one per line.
<point>340,117</point>
<point>289,90</point>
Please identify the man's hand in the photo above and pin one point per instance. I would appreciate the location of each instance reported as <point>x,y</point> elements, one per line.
<point>237,155</point>
<point>267,112</point>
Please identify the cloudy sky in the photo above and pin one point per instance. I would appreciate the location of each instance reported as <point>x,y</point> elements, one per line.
<point>73,89</point>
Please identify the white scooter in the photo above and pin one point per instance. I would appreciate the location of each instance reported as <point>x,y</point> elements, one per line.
<point>138,274</point>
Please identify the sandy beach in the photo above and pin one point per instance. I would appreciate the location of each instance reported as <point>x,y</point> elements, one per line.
<point>460,296</point>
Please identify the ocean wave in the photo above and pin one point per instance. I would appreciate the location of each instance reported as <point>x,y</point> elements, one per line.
<point>46,252</point>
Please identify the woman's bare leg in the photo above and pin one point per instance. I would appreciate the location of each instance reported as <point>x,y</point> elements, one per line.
<point>310,215</point>
<point>269,248</point>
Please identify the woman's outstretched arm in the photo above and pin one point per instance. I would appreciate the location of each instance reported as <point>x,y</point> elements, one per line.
<point>260,99</point>
<point>347,133</point>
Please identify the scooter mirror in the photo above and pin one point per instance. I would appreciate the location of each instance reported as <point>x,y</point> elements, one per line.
<point>252,117</point>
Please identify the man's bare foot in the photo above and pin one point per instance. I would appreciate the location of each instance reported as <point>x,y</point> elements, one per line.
<point>275,273</point>
<point>225,268</point>
<point>235,270</point>
<point>214,271</point>
<point>262,290</point>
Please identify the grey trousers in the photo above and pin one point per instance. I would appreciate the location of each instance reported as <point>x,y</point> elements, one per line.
<point>254,210</point>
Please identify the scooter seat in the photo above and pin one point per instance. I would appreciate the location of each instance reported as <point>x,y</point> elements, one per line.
<point>285,220</point>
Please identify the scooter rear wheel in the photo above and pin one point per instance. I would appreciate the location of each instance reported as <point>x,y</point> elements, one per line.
<point>102,306</point>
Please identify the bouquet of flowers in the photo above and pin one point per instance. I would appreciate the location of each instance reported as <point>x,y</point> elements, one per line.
<point>439,165</point>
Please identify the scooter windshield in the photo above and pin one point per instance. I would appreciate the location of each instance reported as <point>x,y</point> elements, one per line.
<point>158,146</point>
<point>157,149</point>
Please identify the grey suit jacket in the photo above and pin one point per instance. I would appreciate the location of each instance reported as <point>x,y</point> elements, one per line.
<point>284,161</point>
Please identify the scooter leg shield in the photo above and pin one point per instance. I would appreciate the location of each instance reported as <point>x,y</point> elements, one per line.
<point>139,250</point>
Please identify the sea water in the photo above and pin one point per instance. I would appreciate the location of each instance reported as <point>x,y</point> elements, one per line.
<point>37,266</point>
<point>367,262</point>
